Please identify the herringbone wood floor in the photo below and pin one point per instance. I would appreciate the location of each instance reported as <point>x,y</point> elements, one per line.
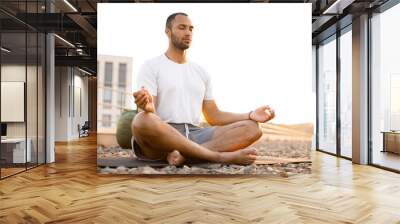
<point>70,191</point>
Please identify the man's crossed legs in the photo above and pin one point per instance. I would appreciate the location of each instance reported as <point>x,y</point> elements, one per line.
<point>157,139</point>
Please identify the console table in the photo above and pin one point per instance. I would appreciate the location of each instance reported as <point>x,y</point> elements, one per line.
<point>391,141</point>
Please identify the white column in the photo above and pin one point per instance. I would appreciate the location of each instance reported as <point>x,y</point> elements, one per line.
<point>50,92</point>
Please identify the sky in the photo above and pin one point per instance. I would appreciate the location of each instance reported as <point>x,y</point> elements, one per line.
<point>256,54</point>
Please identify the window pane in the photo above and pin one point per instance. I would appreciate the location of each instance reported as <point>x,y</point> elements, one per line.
<point>107,96</point>
<point>385,88</point>
<point>41,98</point>
<point>121,99</point>
<point>106,120</point>
<point>346,94</point>
<point>122,75</point>
<point>108,75</point>
<point>327,96</point>
<point>32,97</point>
<point>14,154</point>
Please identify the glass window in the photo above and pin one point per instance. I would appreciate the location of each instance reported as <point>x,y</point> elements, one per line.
<point>107,96</point>
<point>15,152</point>
<point>385,88</point>
<point>41,98</point>
<point>122,75</point>
<point>106,120</point>
<point>32,95</point>
<point>121,99</point>
<point>346,94</point>
<point>23,82</point>
<point>327,96</point>
<point>108,74</point>
<point>394,102</point>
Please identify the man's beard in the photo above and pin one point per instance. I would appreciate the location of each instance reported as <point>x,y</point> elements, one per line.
<point>178,44</point>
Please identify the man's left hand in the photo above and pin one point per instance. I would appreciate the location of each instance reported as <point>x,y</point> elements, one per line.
<point>262,114</point>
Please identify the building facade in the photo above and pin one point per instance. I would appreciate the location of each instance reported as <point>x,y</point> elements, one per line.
<point>114,94</point>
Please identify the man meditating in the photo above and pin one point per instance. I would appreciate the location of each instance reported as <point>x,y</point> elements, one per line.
<point>174,91</point>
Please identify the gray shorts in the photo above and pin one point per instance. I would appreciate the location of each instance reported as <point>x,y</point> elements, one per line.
<point>192,132</point>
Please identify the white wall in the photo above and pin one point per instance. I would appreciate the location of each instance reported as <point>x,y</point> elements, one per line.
<point>68,83</point>
<point>80,89</point>
<point>61,103</point>
<point>14,73</point>
<point>17,73</point>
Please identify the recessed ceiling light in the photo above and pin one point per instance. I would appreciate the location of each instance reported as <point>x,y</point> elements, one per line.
<point>5,49</point>
<point>86,72</point>
<point>338,6</point>
<point>64,40</point>
<point>70,5</point>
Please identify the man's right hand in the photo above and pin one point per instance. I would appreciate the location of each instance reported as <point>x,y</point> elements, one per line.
<point>144,100</point>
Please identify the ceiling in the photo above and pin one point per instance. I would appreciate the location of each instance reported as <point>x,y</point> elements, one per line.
<point>76,40</point>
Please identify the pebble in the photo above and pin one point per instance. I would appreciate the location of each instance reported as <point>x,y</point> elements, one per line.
<point>249,169</point>
<point>148,170</point>
<point>107,170</point>
<point>133,171</point>
<point>236,166</point>
<point>280,170</point>
<point>214,166</point>
<point>276,147</point>
<point>283,174</point>
<point>169,169</point>
<point>122,170</point>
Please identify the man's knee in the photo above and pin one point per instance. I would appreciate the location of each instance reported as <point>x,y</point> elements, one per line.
<point>252,131</point>
<point>144,122</point>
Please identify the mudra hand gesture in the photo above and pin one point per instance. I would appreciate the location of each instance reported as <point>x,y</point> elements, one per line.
<point>144,100</point>
<point>262,114</point>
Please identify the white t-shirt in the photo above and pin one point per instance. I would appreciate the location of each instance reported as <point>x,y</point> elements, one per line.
<point>180,88</point>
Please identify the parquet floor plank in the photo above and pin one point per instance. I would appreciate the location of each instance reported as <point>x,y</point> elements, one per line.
<point>70,191</point>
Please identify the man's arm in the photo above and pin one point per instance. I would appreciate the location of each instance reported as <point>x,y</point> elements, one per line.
<point>216,117</point>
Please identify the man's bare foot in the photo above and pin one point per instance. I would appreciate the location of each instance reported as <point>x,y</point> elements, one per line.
<point>174,158</point>
<point>244,156</point>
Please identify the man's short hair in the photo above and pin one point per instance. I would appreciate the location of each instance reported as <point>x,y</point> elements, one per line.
<point>170,18</point>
